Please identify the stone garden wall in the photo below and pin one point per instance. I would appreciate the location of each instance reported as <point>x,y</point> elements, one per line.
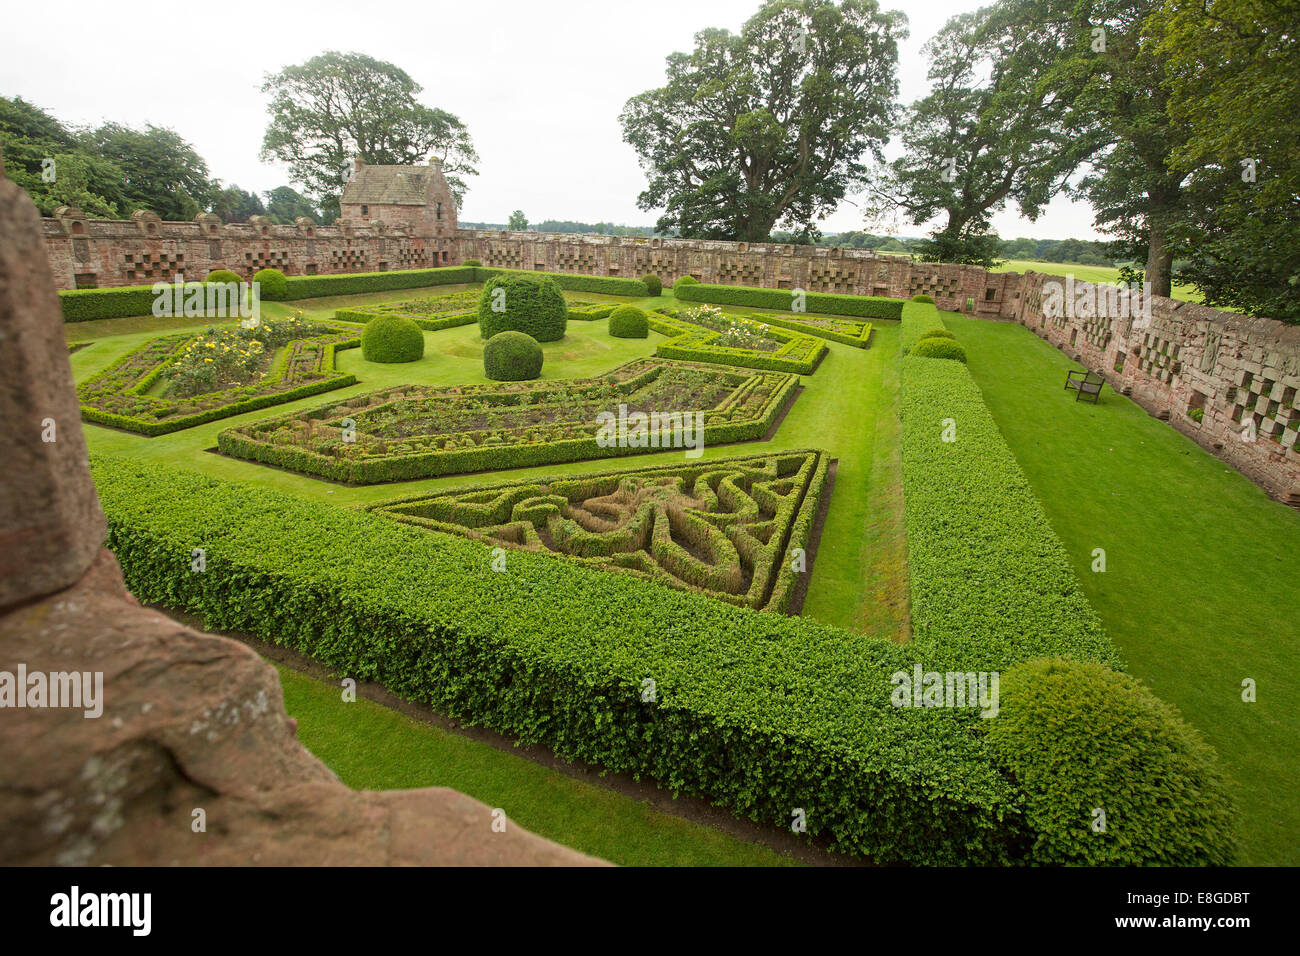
<point>1229,382</point>
<point>1189,359</point>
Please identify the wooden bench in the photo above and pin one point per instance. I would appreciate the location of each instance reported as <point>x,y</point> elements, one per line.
<point>1089,383</point>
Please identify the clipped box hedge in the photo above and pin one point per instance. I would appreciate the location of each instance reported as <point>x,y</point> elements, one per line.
<point>988,575</point>
<point>761,713</point>
<point>688,342</point>
<point>824,303</point>
<point>80,305</point>
<point>572,282</point>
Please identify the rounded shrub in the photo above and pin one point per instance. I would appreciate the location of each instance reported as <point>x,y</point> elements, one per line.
<point>653,283</point>
<point>223,276</point>
<point>628,322</point>
<point>391,338</point>
<point>274,286</point>
<point>1079,738</point>
<point>937,334</point>
<point>922,297</point>
<point>685,280</point>
<point>940,349</point>
<point>512,357</point>
<point>530,304</point>
<point>472,262</point>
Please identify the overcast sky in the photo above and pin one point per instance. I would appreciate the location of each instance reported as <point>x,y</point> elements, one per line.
<point>539,84</point>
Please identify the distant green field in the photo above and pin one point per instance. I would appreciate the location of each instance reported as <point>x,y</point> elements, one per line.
<point>1107,274</point>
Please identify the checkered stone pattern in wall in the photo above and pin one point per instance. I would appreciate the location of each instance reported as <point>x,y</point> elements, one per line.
<point>1159,358</point>
<point>1097,331</point>
<point>409,257</point>
<point>504,258</point>
<point>935,286</point>
<point>828,279</point>
<point>153,265</point>
<point>256,261</point>
<point>740,273</point>
<point>347,260</point>
<point>583,262</point>
<point>1274,406</point>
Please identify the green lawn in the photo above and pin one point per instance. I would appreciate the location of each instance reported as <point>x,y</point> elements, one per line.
<point>373,748</point>
<point>1106,274</point>
<point>1199,565</point>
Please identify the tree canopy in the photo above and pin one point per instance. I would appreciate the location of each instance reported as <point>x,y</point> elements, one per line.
<point>771,125</point>
<point>337,106</point>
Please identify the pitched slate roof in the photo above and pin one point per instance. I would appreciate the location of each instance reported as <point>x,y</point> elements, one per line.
<point>389,185</point>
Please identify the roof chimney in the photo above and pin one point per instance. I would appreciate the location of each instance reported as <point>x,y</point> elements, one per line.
<point>357,163</point>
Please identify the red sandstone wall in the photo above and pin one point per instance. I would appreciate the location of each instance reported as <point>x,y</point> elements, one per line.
<point>1233,367</point>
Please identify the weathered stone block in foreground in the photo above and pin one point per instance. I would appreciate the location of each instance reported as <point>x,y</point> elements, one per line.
<point>51,527</point>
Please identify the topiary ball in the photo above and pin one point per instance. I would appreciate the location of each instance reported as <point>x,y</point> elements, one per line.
<point>274,286</point>
<point>391,338</point>
<point>922,297</point>
<point>1078,738</point>
<point>512,357</point>
<point>685,280</point>
<point>939,349</point>
<point>937,334</point>
<point>222,276</point>
<point>653,283</point>
<point>530,304</point>
<point>472,262</point>
<point>628,322</point>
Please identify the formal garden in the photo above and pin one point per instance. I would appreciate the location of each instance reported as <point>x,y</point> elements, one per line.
<point>699,537</point>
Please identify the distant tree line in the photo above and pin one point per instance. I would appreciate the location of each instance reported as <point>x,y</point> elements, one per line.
<point>112,170</point>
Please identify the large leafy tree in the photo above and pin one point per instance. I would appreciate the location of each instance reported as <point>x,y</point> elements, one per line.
<point>1136,196</point>
<point>768,126</point>
<point>55,165</point>
<point>160,170</point>
<point>233,204</point>
<point>1000,124</point>
<point>340,105</point>
<point>1232,87</point>
<point>285,205</point>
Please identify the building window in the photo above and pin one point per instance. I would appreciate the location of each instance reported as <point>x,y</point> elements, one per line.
<point>365,210</point>
<point>990,295</point>
<point>439,210</point>
<point>87,280</point>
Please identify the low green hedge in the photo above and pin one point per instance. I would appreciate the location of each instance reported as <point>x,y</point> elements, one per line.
<point>918,319</point>
<point>688,342</point>
<point>83,305</point>
<point>391,339</point>
<point>758,712</point>
<point>314,287</point>
<point>824,303</point>
<point>80,305</point>
<point>453,461</point>
<point>861,340</point>
<point>938,334</point>
<point>512,357</point>
<point>570,282</point>
<point>1082,739</point>
<point>654,285</point>
<point>986,571</point>
<point>151,427</point>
